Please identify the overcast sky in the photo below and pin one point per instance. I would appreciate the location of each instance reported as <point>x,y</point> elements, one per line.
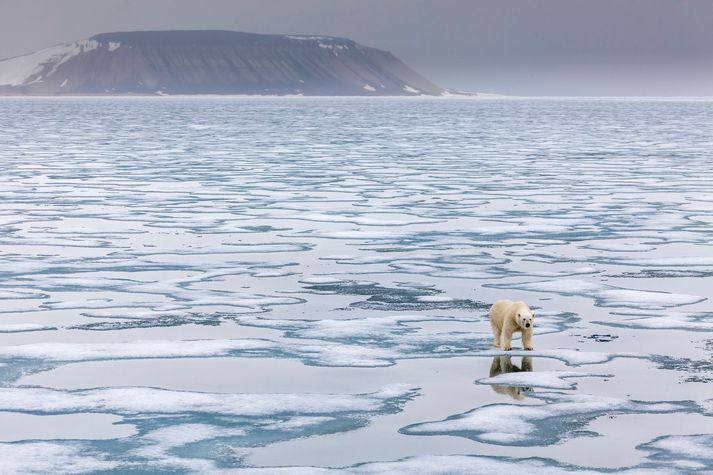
<point>527,47</point>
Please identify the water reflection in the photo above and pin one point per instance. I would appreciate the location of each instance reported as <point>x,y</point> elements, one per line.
<point>502,365</point>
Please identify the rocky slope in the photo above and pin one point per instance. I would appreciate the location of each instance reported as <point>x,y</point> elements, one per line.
<point>211,62</point>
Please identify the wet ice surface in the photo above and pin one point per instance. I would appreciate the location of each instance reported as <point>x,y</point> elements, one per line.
<point>216,285</point>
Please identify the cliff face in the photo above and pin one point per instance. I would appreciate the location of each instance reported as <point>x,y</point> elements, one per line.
<point>211,62</point>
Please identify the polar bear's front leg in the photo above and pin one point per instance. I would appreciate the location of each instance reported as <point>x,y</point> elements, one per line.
<point>506,337</point>
<point>527,339</point>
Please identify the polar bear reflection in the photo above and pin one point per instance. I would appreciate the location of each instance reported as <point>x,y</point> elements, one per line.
<point>502,365</point>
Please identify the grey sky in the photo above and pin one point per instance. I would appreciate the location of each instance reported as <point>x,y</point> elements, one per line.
<point>552,47</point>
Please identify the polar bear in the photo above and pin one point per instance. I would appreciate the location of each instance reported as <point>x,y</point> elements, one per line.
<point>508,317</point>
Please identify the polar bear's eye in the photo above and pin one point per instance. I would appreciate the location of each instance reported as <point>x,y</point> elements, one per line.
<point>518,315</point>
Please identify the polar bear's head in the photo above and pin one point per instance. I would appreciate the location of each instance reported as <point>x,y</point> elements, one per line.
<point>525,318</point>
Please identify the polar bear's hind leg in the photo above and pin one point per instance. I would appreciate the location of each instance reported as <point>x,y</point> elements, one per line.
<point>506,336</point>
<point>497,331</point>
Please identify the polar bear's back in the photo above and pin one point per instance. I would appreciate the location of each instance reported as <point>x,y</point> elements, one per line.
<point>499,310</point>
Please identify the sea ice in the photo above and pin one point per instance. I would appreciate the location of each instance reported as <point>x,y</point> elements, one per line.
<point>296,228</point>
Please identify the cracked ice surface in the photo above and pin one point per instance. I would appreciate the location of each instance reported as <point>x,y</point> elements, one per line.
<point>350,249</point>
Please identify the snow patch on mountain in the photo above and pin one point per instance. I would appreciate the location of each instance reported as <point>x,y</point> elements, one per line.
<point>33,67</point>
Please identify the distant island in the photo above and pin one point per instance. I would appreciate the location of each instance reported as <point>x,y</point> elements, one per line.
<point>212,62</point>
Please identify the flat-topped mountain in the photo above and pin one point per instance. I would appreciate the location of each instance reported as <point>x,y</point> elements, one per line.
<point>211,62</point>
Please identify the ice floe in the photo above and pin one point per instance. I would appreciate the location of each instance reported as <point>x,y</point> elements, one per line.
<point>458,465</point>
<point>569,356</point>
<point>688,453</point>
<point>539,379</point>
<point>509,424</point>
<point>153,401</point>
<point>50,457</point>
<point>57,351</point>
<point>24,327</point>
<point>608,295</point>
<point>180,430</point>
<point>670,320</point>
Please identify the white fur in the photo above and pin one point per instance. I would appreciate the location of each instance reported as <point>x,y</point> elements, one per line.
<point>508,317</point>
